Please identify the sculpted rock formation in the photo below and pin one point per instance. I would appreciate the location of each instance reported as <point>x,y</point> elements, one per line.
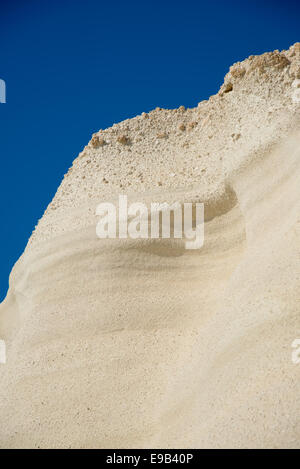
<point>141,343</point>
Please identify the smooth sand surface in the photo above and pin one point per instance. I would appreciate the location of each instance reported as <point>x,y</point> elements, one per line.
<point>142,343</point>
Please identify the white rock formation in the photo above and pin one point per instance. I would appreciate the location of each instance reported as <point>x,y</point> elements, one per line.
<point>141,343</point>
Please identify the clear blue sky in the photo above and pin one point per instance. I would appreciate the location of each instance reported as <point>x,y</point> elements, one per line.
<point>73,67</point>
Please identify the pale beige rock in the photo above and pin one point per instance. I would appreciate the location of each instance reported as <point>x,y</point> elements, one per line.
<point>130,343</point>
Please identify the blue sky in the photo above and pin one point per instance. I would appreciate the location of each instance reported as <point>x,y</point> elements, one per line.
<point>73,67</point>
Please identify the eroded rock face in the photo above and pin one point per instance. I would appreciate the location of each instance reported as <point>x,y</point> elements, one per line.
<point>142,343</point>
